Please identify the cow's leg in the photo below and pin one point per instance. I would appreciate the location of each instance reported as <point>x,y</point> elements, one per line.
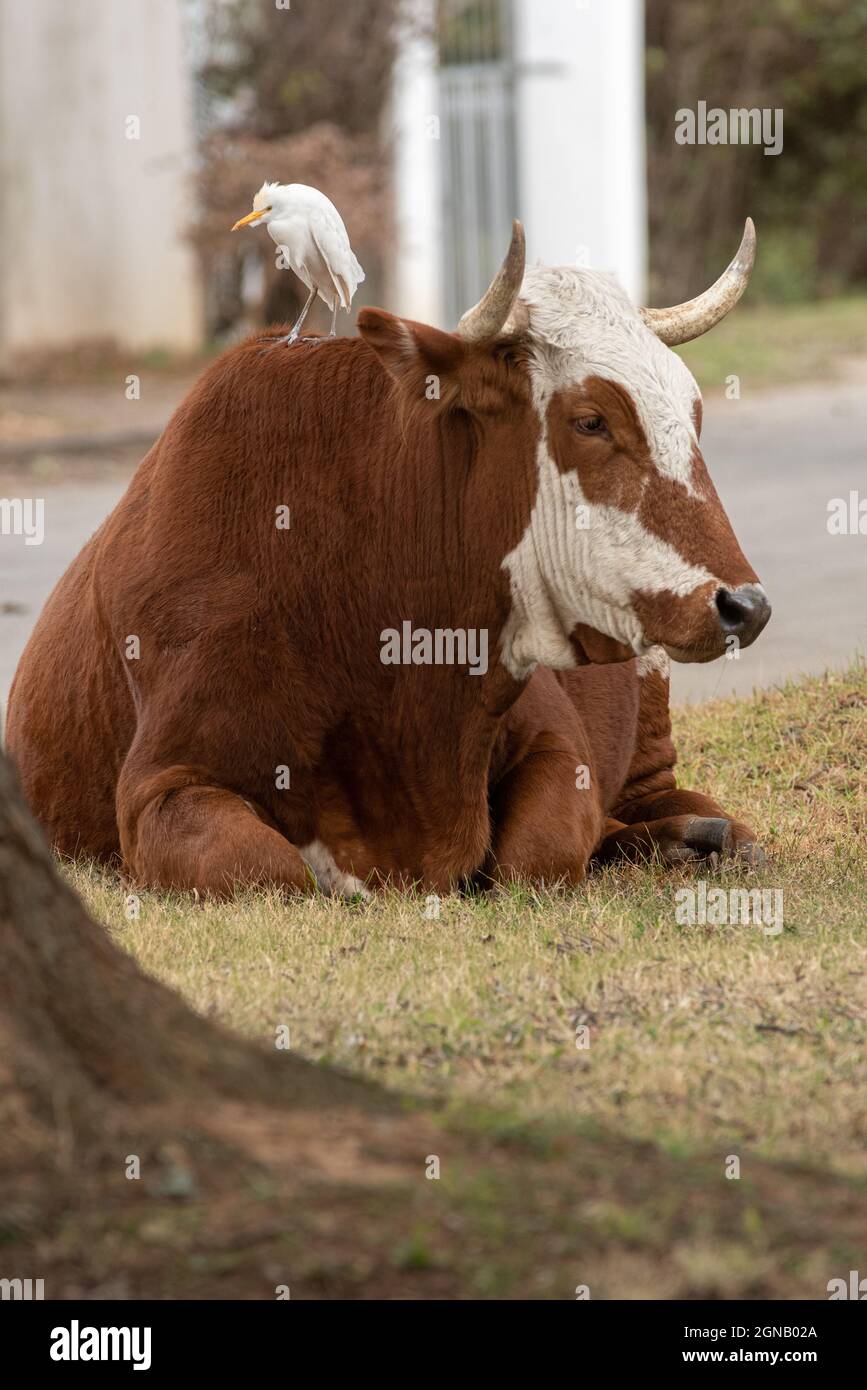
<point>691,834</point>
<point>653,814</point>
<point>180,832</point>
<point>544,825</point>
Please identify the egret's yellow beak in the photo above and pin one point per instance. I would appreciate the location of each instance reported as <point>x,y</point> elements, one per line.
<point>251,217</point>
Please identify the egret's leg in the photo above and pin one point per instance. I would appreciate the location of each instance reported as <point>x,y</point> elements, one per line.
<point>333,333</point>
<point>292,336</point>
<point>296,327</point>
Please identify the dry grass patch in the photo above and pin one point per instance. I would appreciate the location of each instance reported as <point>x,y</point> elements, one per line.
<point>724,1039</point>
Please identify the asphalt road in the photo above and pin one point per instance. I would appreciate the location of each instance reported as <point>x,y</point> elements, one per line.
<point>73,511</point>
<point>777,460</point>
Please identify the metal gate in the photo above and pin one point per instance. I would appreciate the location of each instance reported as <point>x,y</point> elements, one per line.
<point>478,146</point>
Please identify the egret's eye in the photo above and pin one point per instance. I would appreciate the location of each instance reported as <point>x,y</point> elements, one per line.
<point>590,424</point>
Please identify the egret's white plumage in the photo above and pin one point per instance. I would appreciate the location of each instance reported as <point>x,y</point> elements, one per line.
<point>310,232</point>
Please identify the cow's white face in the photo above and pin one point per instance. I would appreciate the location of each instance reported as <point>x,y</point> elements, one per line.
<point>627,536</point>
<point>571,432</point>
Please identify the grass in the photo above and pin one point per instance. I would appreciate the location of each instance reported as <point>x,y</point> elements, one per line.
<point>776,344</point>
<point>713,1039</point>
<point>561,1166</point>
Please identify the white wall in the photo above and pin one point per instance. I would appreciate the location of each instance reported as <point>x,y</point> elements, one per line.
<point>92,224</point>
<point>580,134</point>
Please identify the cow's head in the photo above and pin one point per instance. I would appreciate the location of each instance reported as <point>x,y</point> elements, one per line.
<point>586,429</point>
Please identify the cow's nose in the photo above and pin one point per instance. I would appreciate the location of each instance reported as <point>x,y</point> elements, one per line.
<point>742,612</point>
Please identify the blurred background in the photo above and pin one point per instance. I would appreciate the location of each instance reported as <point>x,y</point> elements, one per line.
<point>133,133</point>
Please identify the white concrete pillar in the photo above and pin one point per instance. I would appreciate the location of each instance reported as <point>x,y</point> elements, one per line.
<point>579,117</point>
<point>413,127</point>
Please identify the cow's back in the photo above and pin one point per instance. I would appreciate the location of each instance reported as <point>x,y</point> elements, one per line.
<point>191,545</point>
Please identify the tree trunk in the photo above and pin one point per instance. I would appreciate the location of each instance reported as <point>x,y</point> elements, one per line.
<point>100,1064</point>
<point>80,1020</point>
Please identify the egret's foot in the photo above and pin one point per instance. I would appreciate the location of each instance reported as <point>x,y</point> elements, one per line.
<point>285,341</point>
<point>285,338</point>
<point>313,341</point>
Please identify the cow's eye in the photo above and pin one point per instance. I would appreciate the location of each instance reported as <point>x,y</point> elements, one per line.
<point>590,424</point>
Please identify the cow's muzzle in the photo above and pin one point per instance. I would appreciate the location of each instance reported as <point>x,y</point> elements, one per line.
<point>738,614</point>
<point>743,612</point>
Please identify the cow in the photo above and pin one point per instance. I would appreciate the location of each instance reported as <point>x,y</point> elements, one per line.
<point>241,679</point>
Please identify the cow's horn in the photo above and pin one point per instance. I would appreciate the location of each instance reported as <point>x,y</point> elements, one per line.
<point>683,322</point>
<point>485,320</point>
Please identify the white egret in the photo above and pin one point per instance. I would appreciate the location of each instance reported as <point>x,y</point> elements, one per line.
<point>310,232</point>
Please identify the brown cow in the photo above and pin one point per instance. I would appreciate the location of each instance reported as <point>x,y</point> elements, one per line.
<point>248,673</point>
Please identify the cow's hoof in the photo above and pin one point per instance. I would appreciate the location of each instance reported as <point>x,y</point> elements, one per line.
<point>715,837</point>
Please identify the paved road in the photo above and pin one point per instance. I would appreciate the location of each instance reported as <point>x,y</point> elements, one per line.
<point>776,459</point>
<point>73,511</point>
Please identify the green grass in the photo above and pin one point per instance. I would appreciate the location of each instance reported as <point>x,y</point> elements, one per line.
<point>773,345</point>
<point>718,1040</point>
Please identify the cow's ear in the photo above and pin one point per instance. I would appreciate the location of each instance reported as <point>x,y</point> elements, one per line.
<point>412,352</point>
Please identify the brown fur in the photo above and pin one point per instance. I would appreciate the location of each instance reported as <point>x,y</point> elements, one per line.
<point>260,647</point>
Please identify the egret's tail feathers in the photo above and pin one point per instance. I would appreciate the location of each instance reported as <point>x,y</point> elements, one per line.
<point>345,291</point>
<point>335,269</point>
<point>346,285</point>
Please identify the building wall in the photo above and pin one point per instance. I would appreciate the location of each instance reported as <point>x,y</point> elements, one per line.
<point>92,223</point>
